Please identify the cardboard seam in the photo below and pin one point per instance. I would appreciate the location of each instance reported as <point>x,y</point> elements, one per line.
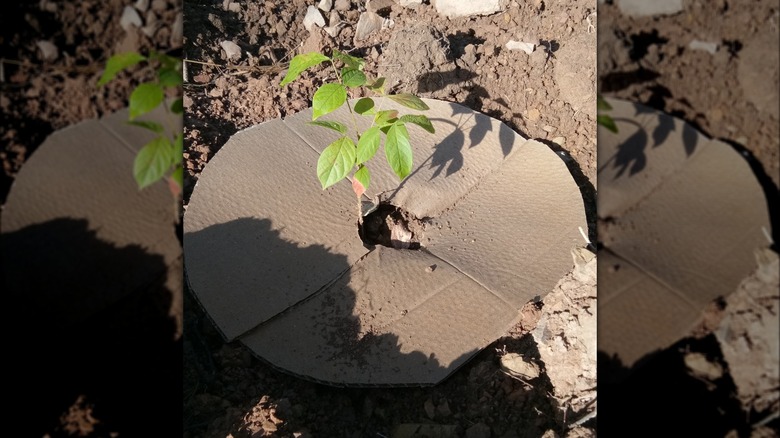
<point>657,279</point>
<point>470,277</point>
<point>118,137</point>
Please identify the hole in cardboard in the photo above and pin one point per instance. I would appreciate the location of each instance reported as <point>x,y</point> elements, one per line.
<point>391,226</point>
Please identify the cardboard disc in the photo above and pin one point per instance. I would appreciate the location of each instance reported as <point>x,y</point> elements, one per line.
<point>682,217</point>
<point>78,236</point>
<point>278,263</point>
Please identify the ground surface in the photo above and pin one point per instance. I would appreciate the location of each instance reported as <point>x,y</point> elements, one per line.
<point>84,394</point>
<point>548,96</point>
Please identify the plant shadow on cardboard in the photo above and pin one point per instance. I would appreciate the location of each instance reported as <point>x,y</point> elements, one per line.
<point>301,330</point>
<point>95,323</point>
<point>448,155</point>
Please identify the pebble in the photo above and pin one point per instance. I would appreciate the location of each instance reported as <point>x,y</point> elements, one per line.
<point>325,5</point>
<point>411,3</point>
<point>342,5</point>
<point>703,45</point>
<point>313,18</point>
<point>231,49</point>
<point>142,5</point>
<point>49,51</point>
<point>520,45</point>
<point>533,114</point>
<point>641,8</point>
<point>130,18</point>
<point>460,8</point>
<point>367,24</point>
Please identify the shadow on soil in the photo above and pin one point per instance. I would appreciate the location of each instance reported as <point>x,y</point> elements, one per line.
<point>94,324</point>
<point>318,345</point>
<point>659,391</point>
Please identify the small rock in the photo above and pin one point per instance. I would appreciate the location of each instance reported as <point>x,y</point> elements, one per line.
<point>479,430</point>
<point>130,18</point>
<point>641,8</point>
<point>514,365</point>
<point>313,18</point>
<point>443,409</point>
<point>231,49</point>
<point>460,8</point>
<point>151,24</point>
<point>49,51</point>
<point>234,7</point>
<point>48,6</point>
<point>413,4</point>
<point>430,268</point>
<point>177,30</point>
<point>368,23</point>
<point>700,367</point>
<point>430,409</point>
<point>159,5</point>
<point>335,24</point>
<point>142,5</point>
<point>342,5</point>
<point>559,140</point>
<point>520,45</point>
<point>533,114</point>
<point>379,6</point>
<point>325,5</point>
<point>702,45</point>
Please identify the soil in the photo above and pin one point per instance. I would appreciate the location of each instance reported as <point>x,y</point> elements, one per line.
<point>80,394</point>
<point>731,95</point>
<point>548,95</point>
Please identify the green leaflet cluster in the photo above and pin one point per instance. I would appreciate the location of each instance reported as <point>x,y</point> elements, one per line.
<point>346,154</point>
<point>163,154</point>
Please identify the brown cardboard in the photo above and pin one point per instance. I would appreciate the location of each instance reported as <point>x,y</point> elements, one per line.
<point>682,228</point>
<point>74,211</point>
<point>277,262</point>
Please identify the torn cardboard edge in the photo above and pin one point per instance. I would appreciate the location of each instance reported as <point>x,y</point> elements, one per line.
<point>374,325</point>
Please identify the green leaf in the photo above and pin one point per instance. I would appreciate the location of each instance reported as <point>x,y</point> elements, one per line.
<point>409,101</point>
<point>607,122</point>
<point>177,106</point>
<point>368,145</point>
<point>300,63</point>
<point>336,161</point>
<point>169,77</point>
<point>377,85</point>
<point>353,78</point>
<point>363,177</point>
<point>178,149</point>
<point>419,120</point>
<point>178,176</point>
<point>118,63</point>
<point>602,104</point>
<point>351,61</point>
<point>328,98</point>
<point>168,62</point>
<point>146,124</point>
<point>152,161</point>
<point>398,150</point>
<point>364,105</point>
<point>336,126</point>
<point>385,117</point>
<point>145,98</point>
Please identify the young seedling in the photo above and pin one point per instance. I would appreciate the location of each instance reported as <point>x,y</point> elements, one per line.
<point>162,155</point>
<point>348,153</point>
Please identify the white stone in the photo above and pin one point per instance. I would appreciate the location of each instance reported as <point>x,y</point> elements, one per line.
<point>313,18</point>
<point>142,5</point>
<point>520,45</point>
<point>325,5</point>
<point>641,8</point>
<point>410,3</point>
<point>460,8</point>
<point>343,5</point>
<point>130,18</point>
<point>231,49</point>
<point>49,51</point>
<point>368,23</point>
<point>234,7</point>
<point>712,48</point>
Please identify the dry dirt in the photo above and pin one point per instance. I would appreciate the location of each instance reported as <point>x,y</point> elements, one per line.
<point>548,96</point>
